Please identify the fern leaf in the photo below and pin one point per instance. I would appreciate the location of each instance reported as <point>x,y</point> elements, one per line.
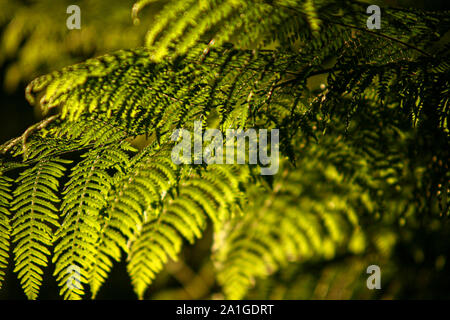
<point>288,225</point>
<point>35,218</point>
<point>5,227</point>
<point>84,196</point>
<point>132,200</point>
<point>169,94</point>
<point>181,216</point>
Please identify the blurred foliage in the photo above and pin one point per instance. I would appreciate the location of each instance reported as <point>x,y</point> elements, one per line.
<point>36,40</point>
<point>363,178</point>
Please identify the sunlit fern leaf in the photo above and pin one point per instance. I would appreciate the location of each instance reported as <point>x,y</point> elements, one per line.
<point>133,199</point>
<point>60,137</point>
<point>182,216</point>
<point>286,24</point>
<point>5,227</point>
<point>35,218</point>
<point>84,196</point>
<point>286,225</point>
<point>221,21</point>
<point>125,89</point>
<point>168,85</point>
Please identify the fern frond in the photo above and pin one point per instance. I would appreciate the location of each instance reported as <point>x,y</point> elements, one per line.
<point>84,196</point>
<point>133,199</point>
<point>315,222</point>
<point>231,17</point>
<point>169,94</point>
<point>5,225</point>
<point>35,218</point>
<point>182,215</point>
<point>284,24</point>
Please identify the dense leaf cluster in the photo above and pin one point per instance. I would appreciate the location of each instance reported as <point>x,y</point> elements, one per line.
<point>364,140</point>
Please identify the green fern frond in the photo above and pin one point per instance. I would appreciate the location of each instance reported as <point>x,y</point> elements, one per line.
<point>285,24</point>
<point>5,227</point>
<point>287,225</point>
<point>35,218</point>
<point>84,197</point>
<point>229,17</point>
<point>170,94</point>
<point>133,199</point>
<point>182,215</point>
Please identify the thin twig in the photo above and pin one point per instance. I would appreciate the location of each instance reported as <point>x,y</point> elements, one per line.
<point>26,134</point>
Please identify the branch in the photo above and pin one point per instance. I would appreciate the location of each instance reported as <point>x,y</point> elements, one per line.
<point>30,130</point>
